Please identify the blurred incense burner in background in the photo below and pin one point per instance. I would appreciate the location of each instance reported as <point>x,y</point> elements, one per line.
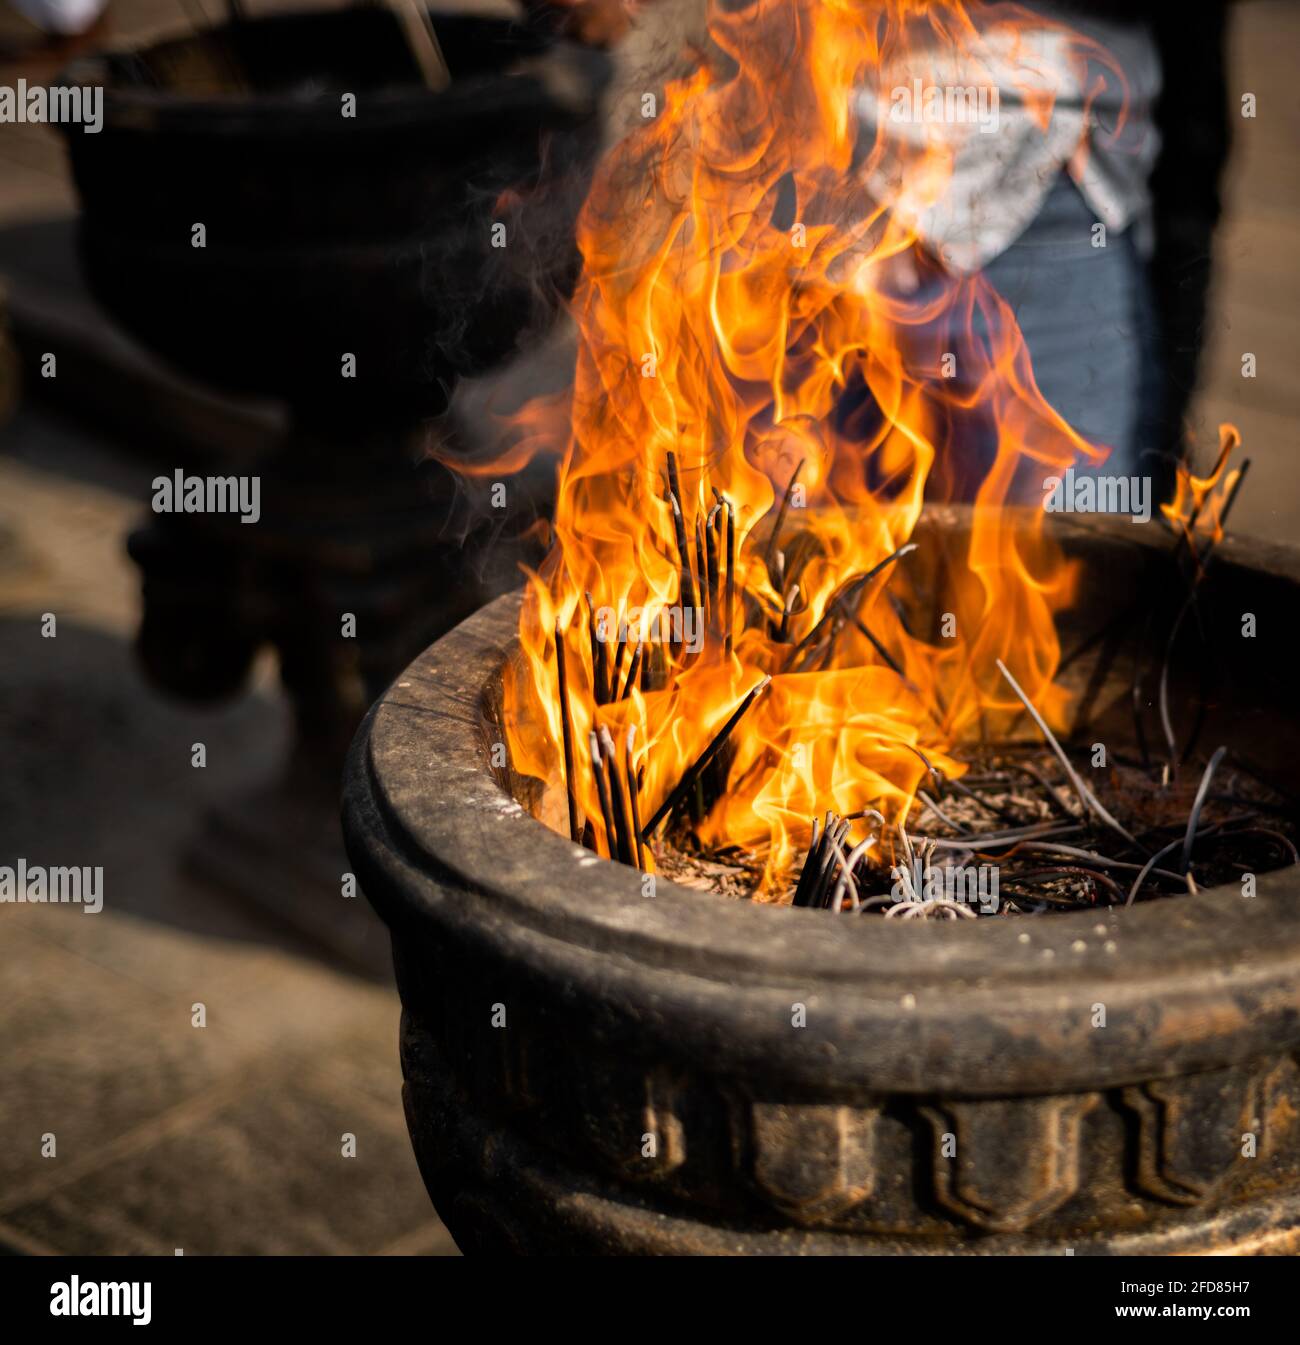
<point>248,224</point>
<point>592,1069</point>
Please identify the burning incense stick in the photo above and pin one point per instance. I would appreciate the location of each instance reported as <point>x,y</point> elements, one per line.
<point>566,723</point>
<point>688,597</point>
<point>632,799</point>
<point>633,668</point>
<point>606,803</point>
<point>622,823</point>
<point>599,657</point>
<point>729,614</point>
<point>712,527</point>
<point>770,550</point>
<point>687,782</point>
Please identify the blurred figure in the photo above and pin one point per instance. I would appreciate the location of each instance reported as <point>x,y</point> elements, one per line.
<point>1132,156</point>
<point>63,29</point>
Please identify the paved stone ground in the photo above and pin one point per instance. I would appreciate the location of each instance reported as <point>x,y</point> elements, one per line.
<point>221,1138</point>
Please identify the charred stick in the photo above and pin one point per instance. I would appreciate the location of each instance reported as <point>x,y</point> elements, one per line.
<point>886,657</point>
<point>702,573</point>
<point>566,727</point>
<point>826,869</point>
<point>731,576</point>
<point>675,481</point>
<point>599,657</point>
<point>783,633</point>
<point>1149,866</point>
<point>770,550</point>
<point>632,790</point>
<point>688,597</point>
<point>686,783</point>
<point>1034,831</point>
<point>1087,799</point>
<point>622,823</point>
<point>712,530</point>
<point>632,669</point>
<point>1198,804</point>
<point>847,880</point>
<point>809,864</point>
<point>1272,835</point>
<point>616,662</point>
<point>686,593</point>
<point>851,590</point>
<point>606,803</point>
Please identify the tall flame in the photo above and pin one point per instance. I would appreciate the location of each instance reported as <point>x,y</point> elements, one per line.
<point>748,306</point>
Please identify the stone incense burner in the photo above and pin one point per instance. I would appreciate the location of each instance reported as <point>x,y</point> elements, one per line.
<point>949,1092</point>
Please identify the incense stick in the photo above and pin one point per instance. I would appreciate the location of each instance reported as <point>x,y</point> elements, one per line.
<point>632,800</point>
<point>622,825</point>
<point>602,788</point>
<point>770,549</point>
<point>632,669</point>
<point>599,657</point>
<point>685,784</point>
<point>570,784</point>
<point>1087,799</point>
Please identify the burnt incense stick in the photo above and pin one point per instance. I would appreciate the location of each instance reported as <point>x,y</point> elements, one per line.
<point>687,598</point>
<point>810,862</point>
<point>687,782</point>
<point>822,889</point>
<point>566,726</point>
<point>1087,799</point>
<point>770,550</point>
<point>674,480</point>
<point>711,531</point>
<point>632,669</point>
<point>702,574</point>
<point>850,591</point>
<point>617,662</point>
<point>890,661</point>
<point>602,788</point>
<point>632,800</point>
<point>783,634</point>
<point>1198,804</point>
<point>731,574</point>
<point>622,823</point>
<point>599,657</point>
<point>686,590</point>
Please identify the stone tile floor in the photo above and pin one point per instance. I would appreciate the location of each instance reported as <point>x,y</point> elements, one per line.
<point>221,1138</point>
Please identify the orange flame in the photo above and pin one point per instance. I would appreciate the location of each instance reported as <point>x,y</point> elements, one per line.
<point>1200,502</point>
<point>741,293</point>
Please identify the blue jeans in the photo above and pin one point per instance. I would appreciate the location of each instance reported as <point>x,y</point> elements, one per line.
<point>1089,322</point>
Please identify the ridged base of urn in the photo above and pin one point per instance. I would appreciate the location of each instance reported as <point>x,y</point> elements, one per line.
<point>501,1192</point>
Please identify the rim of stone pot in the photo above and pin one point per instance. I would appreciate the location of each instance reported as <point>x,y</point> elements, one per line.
<point>986,1006</point>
